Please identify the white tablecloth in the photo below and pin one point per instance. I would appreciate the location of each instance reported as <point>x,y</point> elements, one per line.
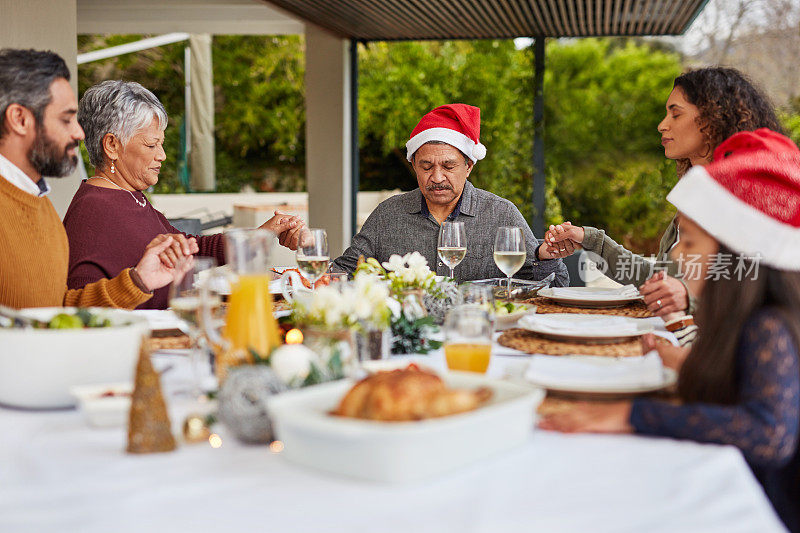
<point>57,474</point>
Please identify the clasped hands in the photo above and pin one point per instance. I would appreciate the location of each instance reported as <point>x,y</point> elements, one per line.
<point>169,256</point>
<point>664,295</point>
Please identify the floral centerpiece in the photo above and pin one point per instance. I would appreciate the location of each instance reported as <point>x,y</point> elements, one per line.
<point>422,300</point>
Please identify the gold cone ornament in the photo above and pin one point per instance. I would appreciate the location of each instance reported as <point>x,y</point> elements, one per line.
<point>149,428</point>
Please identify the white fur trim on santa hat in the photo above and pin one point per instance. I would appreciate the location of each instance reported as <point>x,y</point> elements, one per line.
<point>452,137</point>
<point>735,223</point>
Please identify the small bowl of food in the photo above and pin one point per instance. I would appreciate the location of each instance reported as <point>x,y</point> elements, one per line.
<point>506,313</point>
<point>104,405</point>
<point>48,350</point>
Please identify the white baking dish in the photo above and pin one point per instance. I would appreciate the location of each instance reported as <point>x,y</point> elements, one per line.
<point>401,451</point>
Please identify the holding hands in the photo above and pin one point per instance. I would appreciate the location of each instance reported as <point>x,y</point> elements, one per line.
<point>664,295</point>
<point>164,259</point>
<point>288,228</point>
<point>561,241</point>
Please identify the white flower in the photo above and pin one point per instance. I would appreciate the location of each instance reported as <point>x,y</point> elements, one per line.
<point>412,308</point>
<point>394,306</point>
<point>416,260</point>
<point>395,263</point>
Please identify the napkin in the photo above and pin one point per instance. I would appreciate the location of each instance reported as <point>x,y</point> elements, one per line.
<point>628,291</point>
<point>580,324</point>
<point>160,319</point>
<point>585,371</point>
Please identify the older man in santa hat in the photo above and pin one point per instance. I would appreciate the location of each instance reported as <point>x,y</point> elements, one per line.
<point>443,150</point>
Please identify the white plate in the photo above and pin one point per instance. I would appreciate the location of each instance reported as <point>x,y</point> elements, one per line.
<point>589,297</point>
<point>595,330</point>
<point>668,378</point>
<point>401,451</point>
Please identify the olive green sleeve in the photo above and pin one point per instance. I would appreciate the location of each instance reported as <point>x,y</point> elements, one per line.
<point>615,261</point>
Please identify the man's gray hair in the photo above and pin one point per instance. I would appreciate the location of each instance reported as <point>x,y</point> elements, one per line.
<point>467,160</point>
<point>118,107</point>
<point>25,79</point>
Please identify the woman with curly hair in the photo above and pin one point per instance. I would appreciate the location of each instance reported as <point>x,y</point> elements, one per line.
<point>706,106</point>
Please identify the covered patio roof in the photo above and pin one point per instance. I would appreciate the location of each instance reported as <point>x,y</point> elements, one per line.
<point>372,20</point>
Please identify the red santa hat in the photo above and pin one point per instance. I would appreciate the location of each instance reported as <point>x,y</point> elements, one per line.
<point>459,125</point>
<point>748,198</point>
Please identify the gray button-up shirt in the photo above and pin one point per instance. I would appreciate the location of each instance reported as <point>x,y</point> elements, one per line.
<point>400,225</point>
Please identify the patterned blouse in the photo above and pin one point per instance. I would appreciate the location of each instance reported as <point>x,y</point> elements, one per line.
<point>763,424</point>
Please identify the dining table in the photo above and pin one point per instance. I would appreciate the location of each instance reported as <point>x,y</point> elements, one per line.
<point>59,474</point>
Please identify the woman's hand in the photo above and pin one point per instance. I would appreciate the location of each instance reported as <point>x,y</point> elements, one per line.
<point>591,417</point>
<point>664,294</point>
<point>561,241</point>
<point>671,356</point>
<point>287,227</point>
<point>152,270</point>
<point>181,247</point>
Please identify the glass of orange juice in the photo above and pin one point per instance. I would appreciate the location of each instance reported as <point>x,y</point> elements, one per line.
<point>468,339</point>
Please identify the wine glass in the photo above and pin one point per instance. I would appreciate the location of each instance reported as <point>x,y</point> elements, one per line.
<point>509,251</point>
<point>312,255</point>
<point>452,245</point>
<point>468,339</point>
<point>185,302</point>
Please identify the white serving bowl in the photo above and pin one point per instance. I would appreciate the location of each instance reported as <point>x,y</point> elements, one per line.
<point>398,452</point>
<point>38,366</point>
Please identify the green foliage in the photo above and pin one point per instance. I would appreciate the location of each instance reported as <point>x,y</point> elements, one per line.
<point>413,336</point>
<point>259,105</point>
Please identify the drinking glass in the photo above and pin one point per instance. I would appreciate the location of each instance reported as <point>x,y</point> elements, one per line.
<point>477,295</point>
<point>452,245</point>
<point>312,255</point>
<point>509,251</point>
<point>185,302</point>
<point>468,339</point>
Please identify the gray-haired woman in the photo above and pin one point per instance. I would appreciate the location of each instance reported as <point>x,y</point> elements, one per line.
<point>110,222</point>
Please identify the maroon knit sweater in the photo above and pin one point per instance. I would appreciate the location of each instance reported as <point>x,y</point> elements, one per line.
<point>108,232</point>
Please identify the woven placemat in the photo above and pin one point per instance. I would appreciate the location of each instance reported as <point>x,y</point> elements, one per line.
<point>180,342</point>
<point>634,310</point>
<point>528,342</point>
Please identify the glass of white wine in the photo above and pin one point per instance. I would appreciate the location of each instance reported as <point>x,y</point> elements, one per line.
<point>185,300</point>
<point>509,251</point>
<point>452,245</point>
<point>312,255</point>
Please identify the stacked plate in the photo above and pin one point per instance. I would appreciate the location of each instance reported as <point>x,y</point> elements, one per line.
<point>592,297</point>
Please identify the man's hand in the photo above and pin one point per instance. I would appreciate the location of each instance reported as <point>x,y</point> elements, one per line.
<point>288,228</point>
<point>591,417</point>
<point>180,248</point>
<point>561,240</point>
<point>664,295</point>
<point>672,356</point>
<point>154,273</point>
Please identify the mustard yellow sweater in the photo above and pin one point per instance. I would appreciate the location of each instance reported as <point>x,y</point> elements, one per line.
<point>34,255</point>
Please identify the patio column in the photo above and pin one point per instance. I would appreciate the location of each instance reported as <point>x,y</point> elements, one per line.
<point>329,153</point>
<point>46,25</point>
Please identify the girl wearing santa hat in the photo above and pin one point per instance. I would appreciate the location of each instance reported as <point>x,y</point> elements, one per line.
<point>739,218</point>
<point>705,107</point>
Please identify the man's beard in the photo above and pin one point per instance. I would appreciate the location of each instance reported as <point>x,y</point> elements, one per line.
<point>48,158</point>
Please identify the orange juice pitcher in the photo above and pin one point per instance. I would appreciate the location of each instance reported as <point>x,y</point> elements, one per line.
<point>249,324</point>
